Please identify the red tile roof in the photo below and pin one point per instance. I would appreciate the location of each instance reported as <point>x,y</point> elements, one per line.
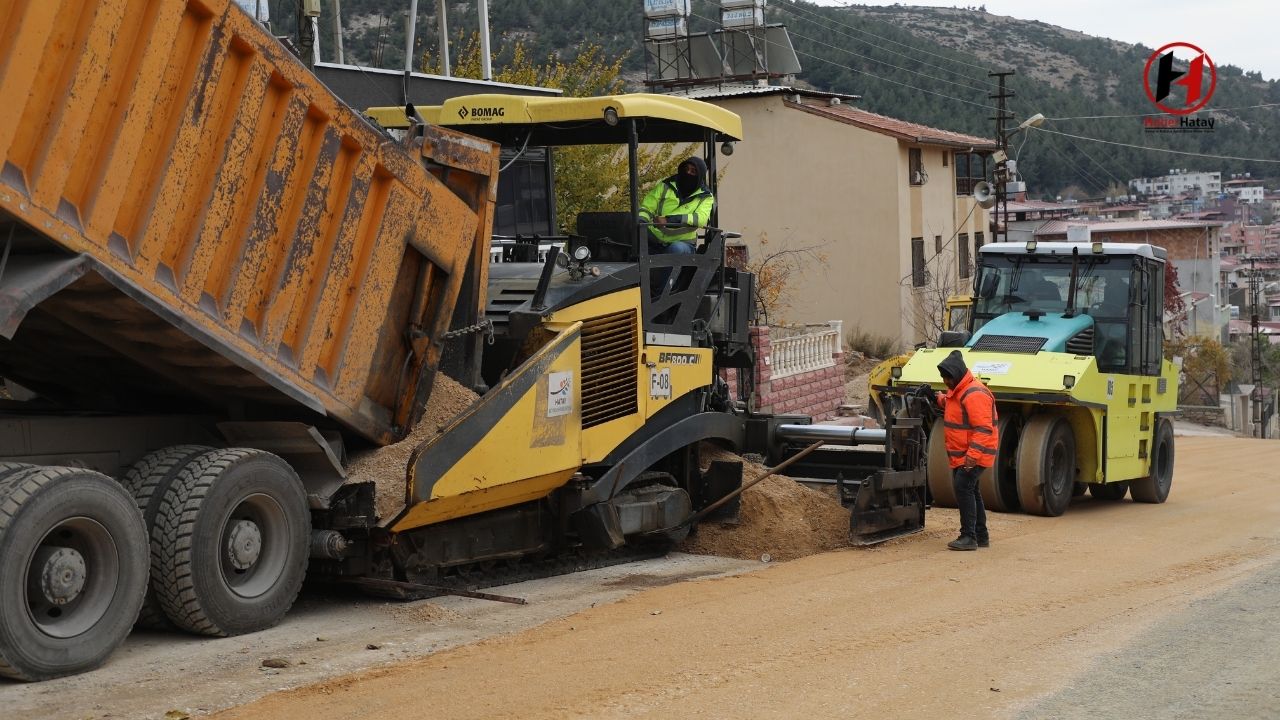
<point>900,129</point>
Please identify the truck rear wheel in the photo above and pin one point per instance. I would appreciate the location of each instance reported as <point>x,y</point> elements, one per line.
<point>231,543</point>
<point>938,472</point>
<point>73,570</point>
<point>1046,465</point>
<point>1154,488</point>
<point>999,483</point>
<point>147,481</point>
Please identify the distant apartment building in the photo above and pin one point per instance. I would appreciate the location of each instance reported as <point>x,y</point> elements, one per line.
<point>1248,191</point>
<point>1178,182</point>
<point>1243,239</point>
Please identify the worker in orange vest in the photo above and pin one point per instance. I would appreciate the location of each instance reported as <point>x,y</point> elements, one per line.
<point>969,428</point>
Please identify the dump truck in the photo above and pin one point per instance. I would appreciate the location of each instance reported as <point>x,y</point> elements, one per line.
<point>216,279</point>
<point>1069,338</point>
<point>201,248</point>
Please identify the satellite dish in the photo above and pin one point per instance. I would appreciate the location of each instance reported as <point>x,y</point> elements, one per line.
<point>984,194</point>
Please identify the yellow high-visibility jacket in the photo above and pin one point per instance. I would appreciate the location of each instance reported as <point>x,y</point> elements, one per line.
<point>664,201</point>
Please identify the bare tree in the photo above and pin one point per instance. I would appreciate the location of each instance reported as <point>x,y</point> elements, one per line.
<point>774,270</point>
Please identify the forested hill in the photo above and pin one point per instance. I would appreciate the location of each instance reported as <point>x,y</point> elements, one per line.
<point>928,65</point>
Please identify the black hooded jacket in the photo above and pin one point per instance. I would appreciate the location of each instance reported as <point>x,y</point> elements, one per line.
<point>953,366</point>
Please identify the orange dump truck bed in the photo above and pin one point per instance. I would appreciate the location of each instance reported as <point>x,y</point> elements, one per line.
<point>189,218</point>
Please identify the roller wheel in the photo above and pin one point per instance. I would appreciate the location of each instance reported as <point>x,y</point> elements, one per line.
<point>999,483</point>
<point>230,543</point>
<point>147,481</point>
<point>1046,465</point>
<point>1108,492</point>
<point>1154,488</point>
<point>73,570</point>
<point>938,471</point>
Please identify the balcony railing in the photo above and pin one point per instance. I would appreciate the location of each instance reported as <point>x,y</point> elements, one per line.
<point>802,349</point>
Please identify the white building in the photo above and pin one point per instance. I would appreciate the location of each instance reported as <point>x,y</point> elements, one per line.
<point>1179,181</point>
<point>1245,190</point>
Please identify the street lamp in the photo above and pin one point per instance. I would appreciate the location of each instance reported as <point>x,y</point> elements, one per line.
<point>1006,172</point>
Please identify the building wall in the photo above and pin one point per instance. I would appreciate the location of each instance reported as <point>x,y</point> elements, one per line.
<point>933,210</point>
<point>801,181</point>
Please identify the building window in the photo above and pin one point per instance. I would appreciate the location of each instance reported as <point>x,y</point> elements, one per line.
<point>937,244</point>
<point>971,168</point>
<point>917,262</point>
<point>944,158</point>
<point>964,255</point>
<point>978,240</point>
<point>915,166</point>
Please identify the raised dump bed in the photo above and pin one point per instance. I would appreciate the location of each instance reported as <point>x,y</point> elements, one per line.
<point>193,221</point>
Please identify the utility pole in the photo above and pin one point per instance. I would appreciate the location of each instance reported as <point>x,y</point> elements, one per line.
<point>1000,232</point>
<point>1256,407</point>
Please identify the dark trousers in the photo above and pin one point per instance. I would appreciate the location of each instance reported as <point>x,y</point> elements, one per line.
<point>973,516</point>
<point>661,277</point>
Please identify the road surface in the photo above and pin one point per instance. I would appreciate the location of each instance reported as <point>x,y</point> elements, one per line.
<point>1057,606</point>
<point>1118,610</point>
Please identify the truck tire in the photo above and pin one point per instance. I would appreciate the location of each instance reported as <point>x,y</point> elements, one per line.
<point>1046,465</point>
<point>73,570</point>
<point>999,483</point>
<point>938,471</point>
<point>1154,488</point>
<point>147,481</point>
<point>230,543</point>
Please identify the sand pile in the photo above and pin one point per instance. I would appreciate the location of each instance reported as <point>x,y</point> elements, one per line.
<point>779,516</point>
<point>425,612</point>
<point>386,466</point>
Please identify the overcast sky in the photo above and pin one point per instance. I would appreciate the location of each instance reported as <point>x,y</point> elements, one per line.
<point>1245,33</point>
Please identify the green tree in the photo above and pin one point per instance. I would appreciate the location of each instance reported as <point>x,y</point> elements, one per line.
<point>588,177</point>
<point>1206,369</point>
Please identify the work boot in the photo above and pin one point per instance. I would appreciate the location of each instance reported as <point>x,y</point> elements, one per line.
<point>964,542</point>
<point>984,543</point>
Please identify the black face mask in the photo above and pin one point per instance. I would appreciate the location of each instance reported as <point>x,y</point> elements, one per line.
<point>686,184</point>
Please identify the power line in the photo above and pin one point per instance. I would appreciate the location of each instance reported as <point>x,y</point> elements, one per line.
<point>1203,110</point>
<point>1081,173</point>
<point>871,74</point>
<point>1095,162</point>
<point>901,44</point>
<point>895,67</point>
<point>813,16</point>
<point>1157,149</point>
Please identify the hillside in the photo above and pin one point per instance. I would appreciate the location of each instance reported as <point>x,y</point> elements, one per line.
<point>923,64</point>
